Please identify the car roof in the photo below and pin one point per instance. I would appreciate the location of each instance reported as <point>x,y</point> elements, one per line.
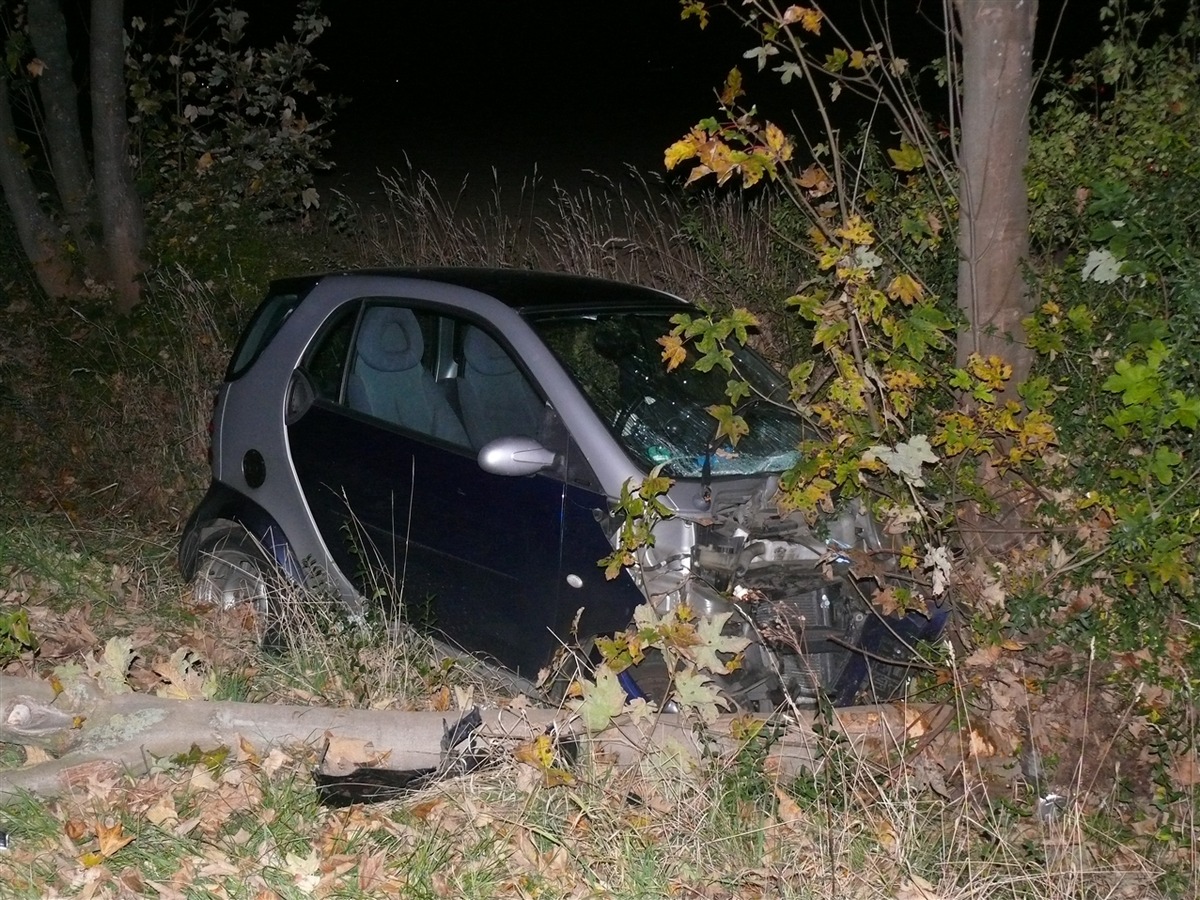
<point>526,290</point>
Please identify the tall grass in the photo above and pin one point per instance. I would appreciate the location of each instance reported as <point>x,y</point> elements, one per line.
<point>112,423</point>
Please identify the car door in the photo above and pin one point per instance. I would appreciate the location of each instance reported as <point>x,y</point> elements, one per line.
<point>388,467</point>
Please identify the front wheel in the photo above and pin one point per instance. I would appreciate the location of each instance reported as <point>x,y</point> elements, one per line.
<point>234,574</point>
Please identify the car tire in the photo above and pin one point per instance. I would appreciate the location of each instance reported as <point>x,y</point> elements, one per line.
<point>233,573</point>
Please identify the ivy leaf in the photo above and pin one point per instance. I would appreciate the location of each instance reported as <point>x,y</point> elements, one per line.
<point>696,691</point>
<point>603,699</point>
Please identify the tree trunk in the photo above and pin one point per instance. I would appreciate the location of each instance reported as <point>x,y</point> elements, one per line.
<point>997,50</point>
<point>97,735</point>
<point>68,158</point>
<point>39,238</point>
<point>120,207</point>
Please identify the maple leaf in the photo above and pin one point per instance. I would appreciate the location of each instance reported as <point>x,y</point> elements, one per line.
<point>857,231</point>
<point>712,642</point>
<point>186,676</point>
<point>696,691</point>
<point>35,67</point>
<point>681,151</point>
<point>908,158</point>
<point>733,87</point>
<point>112,667</point>
<point>906,289</point>
<point>728,425</point>
<point>603,699</point>
<point>305,870</point>
<point>674,353</point>
<point>778,144</point>
<point>905,459</point>
<point>809,19</point>
<point>111,837</point>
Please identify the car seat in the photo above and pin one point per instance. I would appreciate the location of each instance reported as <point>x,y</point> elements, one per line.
<point>495,397</point>
<point>389,382</point>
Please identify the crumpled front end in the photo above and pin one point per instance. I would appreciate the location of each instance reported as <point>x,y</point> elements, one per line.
<point>802,595</point>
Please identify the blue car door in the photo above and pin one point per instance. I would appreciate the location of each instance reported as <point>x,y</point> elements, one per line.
<point>388,467</point>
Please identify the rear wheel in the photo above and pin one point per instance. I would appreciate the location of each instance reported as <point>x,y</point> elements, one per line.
<point>234,575</point>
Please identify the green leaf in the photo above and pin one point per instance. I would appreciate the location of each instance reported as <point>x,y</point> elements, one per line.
<point>729,425</point>
<point>736,390</point>
<point>1162,464</point>
<point>908,158</point>
<point>696,691</point>
<point>603,699</point>
<point>905,459</point>
<point>1137,383</point>
<point>924,328</point>
<point>1186,411</point>
<point>712,642</point>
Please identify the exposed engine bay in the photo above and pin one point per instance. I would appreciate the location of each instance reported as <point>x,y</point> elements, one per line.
<point>801,595</point>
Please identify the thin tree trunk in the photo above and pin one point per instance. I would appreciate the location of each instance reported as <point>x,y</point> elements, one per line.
<point>68,158</point>
<point>997,49</point>
<point>123,733</point>
<point>120,207</point>
<point>39,238</point>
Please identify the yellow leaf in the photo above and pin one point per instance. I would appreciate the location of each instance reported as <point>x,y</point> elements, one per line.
<point>111,838</point>
<point>1012,645</point>
<point>908,158</point>
<point>538,752</point>
<point>906,289</point>
<point>777,143</point>
<point>674,353</point>
<point>733,87</point>
<point>856,231</point>
<point>679,151</point>
<point>809,19</point>
<point>90,859</point>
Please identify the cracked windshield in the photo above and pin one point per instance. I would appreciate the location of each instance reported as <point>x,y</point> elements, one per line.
<point>662,417</point>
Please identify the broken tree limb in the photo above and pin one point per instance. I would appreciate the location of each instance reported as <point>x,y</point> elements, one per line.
<point>103,736</point>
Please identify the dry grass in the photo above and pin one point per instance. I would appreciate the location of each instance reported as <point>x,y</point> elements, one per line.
<point>107,428</point>
<point>863,824</point>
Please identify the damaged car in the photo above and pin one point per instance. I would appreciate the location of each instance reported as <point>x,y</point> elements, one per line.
<point>461,436</point>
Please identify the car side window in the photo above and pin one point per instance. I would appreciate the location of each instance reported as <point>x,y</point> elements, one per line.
<point>326,363</point>
<point>391,378</point>
<point>494,395</point>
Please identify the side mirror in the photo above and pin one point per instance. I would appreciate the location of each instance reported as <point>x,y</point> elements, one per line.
<point>514,456</point>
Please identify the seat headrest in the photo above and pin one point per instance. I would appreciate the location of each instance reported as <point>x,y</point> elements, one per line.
<point>390,339</point>
<point>484,355</point>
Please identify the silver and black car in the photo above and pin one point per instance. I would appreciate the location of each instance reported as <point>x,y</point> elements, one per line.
<point>460,435</point>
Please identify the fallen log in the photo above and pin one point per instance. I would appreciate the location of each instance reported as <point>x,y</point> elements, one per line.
<point>91,734</point>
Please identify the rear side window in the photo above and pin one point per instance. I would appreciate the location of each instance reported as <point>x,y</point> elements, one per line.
<point>268,318</point>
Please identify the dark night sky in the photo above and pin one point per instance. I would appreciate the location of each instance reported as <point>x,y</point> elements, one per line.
<point>463,86</point>
<point>467,86</point>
